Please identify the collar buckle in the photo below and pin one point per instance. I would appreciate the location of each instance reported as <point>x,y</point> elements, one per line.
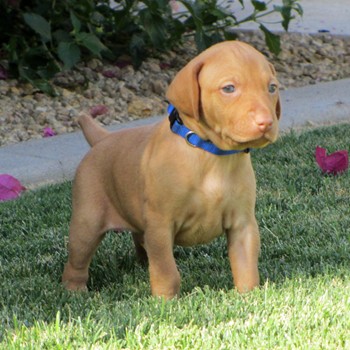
<point>187,138</point>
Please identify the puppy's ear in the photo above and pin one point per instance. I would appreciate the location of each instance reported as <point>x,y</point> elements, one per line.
<point>184,91</point>
<point>278,104</point>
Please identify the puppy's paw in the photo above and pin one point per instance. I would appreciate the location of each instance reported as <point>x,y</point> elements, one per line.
<point>74,279</point>
<point>75,286</point>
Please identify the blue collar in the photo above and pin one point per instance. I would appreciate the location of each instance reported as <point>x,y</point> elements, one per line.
<point>192,139</point>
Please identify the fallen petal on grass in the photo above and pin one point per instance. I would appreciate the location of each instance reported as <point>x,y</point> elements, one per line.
<point>10,187</point>
<point>334,163</point>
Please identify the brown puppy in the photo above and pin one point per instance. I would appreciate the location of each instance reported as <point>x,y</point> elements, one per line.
<point>150,181</point>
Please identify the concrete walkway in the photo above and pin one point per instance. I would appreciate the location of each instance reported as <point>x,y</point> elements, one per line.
<point>55,159</point>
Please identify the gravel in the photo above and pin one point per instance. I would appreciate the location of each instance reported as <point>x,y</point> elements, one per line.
<point>128,94</point>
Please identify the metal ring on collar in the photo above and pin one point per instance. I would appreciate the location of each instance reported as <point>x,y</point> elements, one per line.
<point>187,136</point>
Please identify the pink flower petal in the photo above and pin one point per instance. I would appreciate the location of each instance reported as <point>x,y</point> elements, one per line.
<point>334,163</point>
<point>109,74</point>
<point>10,187</point>
<point>98,110</point>
<point>48,132</point>
<point>164,65</point>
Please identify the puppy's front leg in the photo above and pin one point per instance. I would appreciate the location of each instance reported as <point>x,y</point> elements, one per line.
<point>243,249</point>
<point>164,275</point>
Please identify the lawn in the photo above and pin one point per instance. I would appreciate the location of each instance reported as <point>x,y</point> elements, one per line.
<point>303,301</point>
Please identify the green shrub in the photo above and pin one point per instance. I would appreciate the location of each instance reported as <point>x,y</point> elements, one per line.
<point>41,37</point>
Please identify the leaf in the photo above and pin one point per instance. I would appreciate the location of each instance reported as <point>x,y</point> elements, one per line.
<point>220,13</point>
<point>137,49</point>
<point>32,77</point>
<point>272,40</point>
<point>44,86</point>
<point>155,28</point>
<point>39,24</point>
<point>194,9</point>
<point>229,35</point>
<point>259,5</point>
<point>10,187</point>
<point>285,12</point>
<point>91,42</point>
<point>299,10</point>
<point>61,35</point>
<point>202,40</point>
<point>69,54</point>
<point>223,13</point>
<point>48,70</point>
<point>75,22</point>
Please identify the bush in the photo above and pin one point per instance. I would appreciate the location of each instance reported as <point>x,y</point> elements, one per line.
<point>41,37</point>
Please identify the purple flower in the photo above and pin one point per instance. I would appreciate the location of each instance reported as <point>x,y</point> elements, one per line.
<point>109,74</point>
<point>164,65</point>
<point>48,132</point>
<point>10,187</point>
<point>334,163</point>
<point>98,110</point>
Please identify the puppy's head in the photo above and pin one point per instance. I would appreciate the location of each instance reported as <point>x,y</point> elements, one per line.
<point>230,94</point>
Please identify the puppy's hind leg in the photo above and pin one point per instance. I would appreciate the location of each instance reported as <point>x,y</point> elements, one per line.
<point>84,237</point>
<point>141,253</point>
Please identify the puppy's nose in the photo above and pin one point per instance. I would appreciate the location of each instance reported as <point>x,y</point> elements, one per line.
<point>264,122</point>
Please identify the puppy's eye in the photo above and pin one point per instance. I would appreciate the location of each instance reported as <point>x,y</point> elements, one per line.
<point>229,89</point>
<point>273,88</point>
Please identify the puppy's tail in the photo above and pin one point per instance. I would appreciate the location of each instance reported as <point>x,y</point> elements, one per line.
<point>92,131</point>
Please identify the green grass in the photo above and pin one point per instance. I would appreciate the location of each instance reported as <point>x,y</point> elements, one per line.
<point>303,301</point>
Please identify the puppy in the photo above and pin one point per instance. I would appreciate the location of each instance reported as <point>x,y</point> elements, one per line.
<point>183,182</point>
